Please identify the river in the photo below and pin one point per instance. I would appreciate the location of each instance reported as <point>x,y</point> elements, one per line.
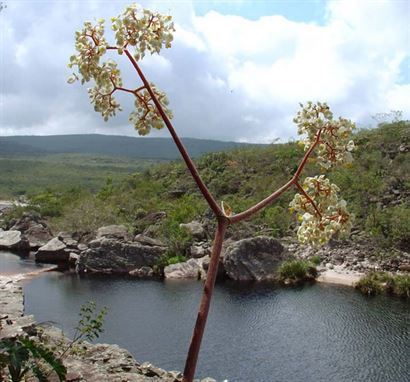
<point>255,333</point>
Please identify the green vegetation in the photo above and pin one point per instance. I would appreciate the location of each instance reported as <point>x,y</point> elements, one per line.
<point>381,282</point>
<point>296,271</point>
<point>26,356</point>
<point>376,188</point>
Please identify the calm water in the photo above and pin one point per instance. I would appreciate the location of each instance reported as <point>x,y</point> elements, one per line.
<point>11,263</point>
<point>254,334</point>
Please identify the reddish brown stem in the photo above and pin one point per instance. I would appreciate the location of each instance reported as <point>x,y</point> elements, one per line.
<point>257,207</point>
<point>309,199</point>
<point>193,351</point>
<point>191,166</point>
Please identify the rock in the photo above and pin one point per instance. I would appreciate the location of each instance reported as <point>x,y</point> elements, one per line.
<point>113,232</point>
<point>53,252</point>
<point>191,269</point>
<point>404,267</point>
<point>200,250</point>
<point>196,229</point>
<point>221,269</point>
<point>143,272</point>
<point>67,239</point>
<point>73,258</point>
<point>37,235</point>
<point>106,255</point>
<point>14,241</point>
<point>82,247</point>
<point>254,259</point>
<point>146,240</point>
<point>153,217</point>
<point>34,229</point>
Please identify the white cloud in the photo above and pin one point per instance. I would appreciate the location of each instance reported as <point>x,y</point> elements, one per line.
<point>227,77</point>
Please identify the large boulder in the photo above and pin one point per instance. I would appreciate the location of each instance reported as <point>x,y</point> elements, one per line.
<point>114,256</point>
<point>14,241</point>
<point>113,232</point>
<point>191,269</point>
<point>254,259</point>
<point>53,252</point>
<point>33,228</point>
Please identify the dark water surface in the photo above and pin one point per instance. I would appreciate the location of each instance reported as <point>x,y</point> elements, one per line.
<point>254,334</point>
<point>11,263</point>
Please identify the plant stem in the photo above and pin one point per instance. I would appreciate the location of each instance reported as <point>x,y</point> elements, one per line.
<point>190,164</point>
<point>193,351</point>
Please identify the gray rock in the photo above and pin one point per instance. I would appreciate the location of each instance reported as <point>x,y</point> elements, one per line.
<point>198,251</point>
<point>37,235</point>
<point>67,239</point>
<point>13,240</point>
<point>113,232</point>
<point>254,259</point>
<point>196,229</point>
<point>146,240</point>
<point>143,272</point>
<point>53,252</point>
<point>114,256</point>
<point>191,269</point>
<point>82,247</point>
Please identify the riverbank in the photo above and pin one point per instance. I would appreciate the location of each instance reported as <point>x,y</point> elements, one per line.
<point>90,362</point>
<point>339,277</point>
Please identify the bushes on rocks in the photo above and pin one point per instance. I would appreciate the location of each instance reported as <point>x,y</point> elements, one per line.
<point>296,271</point>
<point>381,282</point>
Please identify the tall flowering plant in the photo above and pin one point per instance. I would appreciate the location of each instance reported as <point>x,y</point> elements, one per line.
<point>320,211</point>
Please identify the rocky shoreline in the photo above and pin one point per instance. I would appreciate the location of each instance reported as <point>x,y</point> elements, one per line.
<point>113,250</point>
<point>90,362</point>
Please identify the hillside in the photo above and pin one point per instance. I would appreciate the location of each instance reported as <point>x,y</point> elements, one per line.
<point>376,187</point>
<point>30,164</point>
<point>108,145</point>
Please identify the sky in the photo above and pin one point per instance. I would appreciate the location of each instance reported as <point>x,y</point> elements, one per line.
<point>237,70</point>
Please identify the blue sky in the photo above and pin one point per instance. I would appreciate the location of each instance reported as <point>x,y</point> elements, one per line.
<point>237,70</point>
<point>295,10</point>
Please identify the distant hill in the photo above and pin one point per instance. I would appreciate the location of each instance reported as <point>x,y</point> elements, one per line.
<point>109,145</point>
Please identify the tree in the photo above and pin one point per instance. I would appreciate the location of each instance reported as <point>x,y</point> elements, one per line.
<point>138,32</point>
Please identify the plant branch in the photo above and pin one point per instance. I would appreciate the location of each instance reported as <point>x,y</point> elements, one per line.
<point>190,164</point>
<point>193,351</point>
<point>309,199</point>
<point>263,203</point>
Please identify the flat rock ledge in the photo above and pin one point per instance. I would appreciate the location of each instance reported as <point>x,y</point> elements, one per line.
<point>90,363</point>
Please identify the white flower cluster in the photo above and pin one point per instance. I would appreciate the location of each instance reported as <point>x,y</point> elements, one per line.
<point>335,144</point>
<point>135,27</point>
<point>146,114</point>
<point>101,95</point>
<point>320,211</point>
<point>145,30</point>
<point>91,46</point>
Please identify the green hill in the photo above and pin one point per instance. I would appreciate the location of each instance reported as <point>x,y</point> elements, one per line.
<point>108,145</point>
<point>376,187</point>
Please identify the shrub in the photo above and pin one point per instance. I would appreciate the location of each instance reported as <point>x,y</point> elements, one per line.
<point>295,271</point>
<point>316,260</point>
<point>380,282</point>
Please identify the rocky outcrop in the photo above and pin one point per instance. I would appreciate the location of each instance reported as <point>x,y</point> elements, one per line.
<point>12,320</point>
<point>352,256</point>
<point>146,240</point>
<point>191,269</point>
<point>33,228</point>
<point>113,232</point>
<point>13,241</point>
<point>254,259</point>
<point>54,252</point>
<point>196,229</point>
<point>142,273</point>
<point>114,256</point>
